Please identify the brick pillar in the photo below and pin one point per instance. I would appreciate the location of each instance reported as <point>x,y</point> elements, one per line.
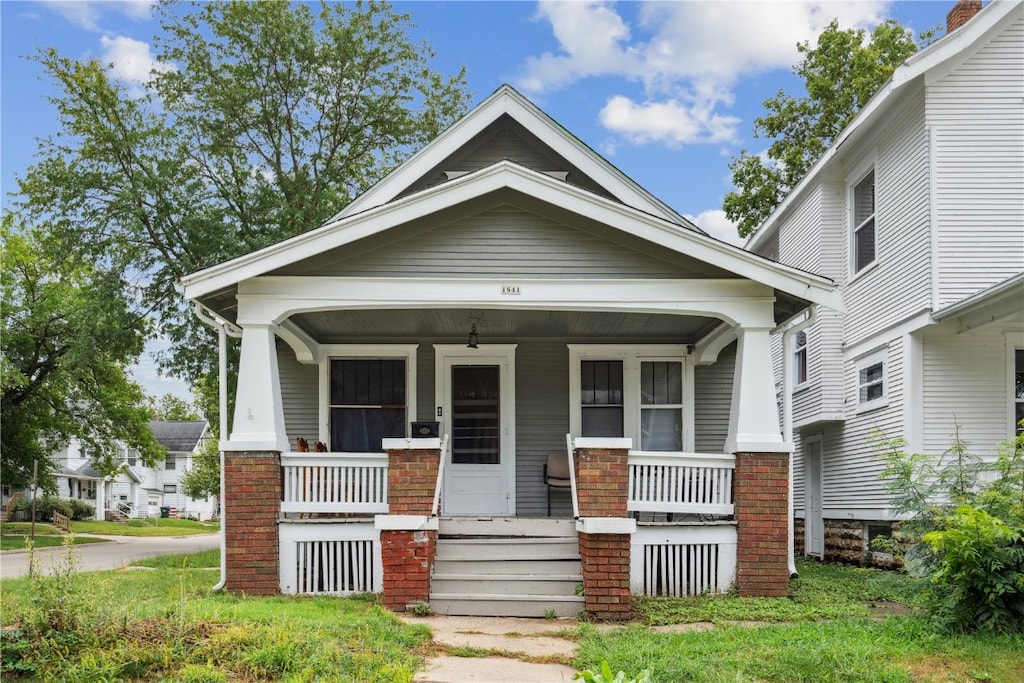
<point>761,497</point>
<point>252,502</point>
<point>408,554</point>
<point>601,478</point>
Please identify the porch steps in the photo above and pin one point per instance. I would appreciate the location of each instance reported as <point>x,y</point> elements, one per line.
<point>506,567</point>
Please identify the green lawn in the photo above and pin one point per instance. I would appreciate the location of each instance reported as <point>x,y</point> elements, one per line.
<point>840,624</point>
<point>17,541</point>
<point>146,527</point>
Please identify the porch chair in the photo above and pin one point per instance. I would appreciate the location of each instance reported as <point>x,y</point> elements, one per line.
<point>556,474</point>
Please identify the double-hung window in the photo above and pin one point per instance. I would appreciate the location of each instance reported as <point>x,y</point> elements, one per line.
<point>799,358</point>
<point>871,387</point>
<point>1018,391</point>
<point>636,392</point>
<point>367,402</point>
<point>863,242</point>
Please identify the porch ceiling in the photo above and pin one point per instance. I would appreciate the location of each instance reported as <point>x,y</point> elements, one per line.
<point>493,325</point>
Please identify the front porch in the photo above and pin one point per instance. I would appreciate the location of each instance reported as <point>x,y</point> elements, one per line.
<point>641,523</point>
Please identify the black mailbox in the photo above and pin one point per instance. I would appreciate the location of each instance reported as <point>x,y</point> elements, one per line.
<point>424,430</point>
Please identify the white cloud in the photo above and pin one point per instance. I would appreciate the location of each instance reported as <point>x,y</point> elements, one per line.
<point>714,222</point>
<point>87,15</point>
<point>688,56</point>
<point>131,61</point>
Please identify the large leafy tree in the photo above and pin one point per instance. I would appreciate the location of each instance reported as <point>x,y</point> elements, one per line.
<point>68,334</point>
<point>263,120</point>
<point>841,73</point>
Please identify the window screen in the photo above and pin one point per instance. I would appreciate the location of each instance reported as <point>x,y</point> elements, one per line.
<point>368,403</point>
<point>601,397</point>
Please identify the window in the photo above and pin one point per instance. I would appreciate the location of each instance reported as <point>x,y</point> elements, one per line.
<point>636,392</point>
<point>1018,391</point>
<point>601,397</point>
<point>864,223</point>
<point>871,381</point>
<point>169,462</point>
<point>87,490</point>
<point>170,488</point>
<point>367,403</point>
<point>799,358</point>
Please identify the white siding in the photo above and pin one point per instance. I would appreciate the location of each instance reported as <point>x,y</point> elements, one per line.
<point>977,112</point>
<point>300,396</point>
<point>966,382</point>
<point>713,402</point>
<point>898,285</point>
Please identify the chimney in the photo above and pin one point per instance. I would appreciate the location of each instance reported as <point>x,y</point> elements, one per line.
<point>961,13</point>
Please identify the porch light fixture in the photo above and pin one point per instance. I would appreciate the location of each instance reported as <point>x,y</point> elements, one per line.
<point>471,344</point>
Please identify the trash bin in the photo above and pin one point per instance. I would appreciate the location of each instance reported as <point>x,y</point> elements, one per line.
<point>165,512</point>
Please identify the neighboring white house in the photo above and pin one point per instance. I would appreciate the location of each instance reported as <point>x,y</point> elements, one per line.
<point>138,490</point>
<point>917,212</point>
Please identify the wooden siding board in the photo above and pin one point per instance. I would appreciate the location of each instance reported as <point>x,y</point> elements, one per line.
<point>713,402</point>
<point>300,395</point>
<point>977,113</point>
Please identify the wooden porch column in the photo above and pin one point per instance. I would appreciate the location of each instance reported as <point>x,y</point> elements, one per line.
<point>761,479</point>
<point>259,412</point>
<point>604,526</point>
<point>408,534</point>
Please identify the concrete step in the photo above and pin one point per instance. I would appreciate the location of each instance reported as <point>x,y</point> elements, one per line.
<point>506,584</point>
<point>499,549</point>
<point>492,605</point>
<point>506,527</point>
<point>508,567</point>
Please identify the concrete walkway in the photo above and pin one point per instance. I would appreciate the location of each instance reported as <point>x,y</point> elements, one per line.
<point>516,640</point>
<point>118,552</point>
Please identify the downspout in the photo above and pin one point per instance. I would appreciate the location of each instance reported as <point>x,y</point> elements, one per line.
<point>223,328</point>
<point>787,421</point>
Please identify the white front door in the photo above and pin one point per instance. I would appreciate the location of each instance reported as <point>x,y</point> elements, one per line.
<point>814,525</point>
<point>475,399</point>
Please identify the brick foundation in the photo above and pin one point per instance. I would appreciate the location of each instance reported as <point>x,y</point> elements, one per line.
<point>761,497</point>
<point>602,475</point>
<point>408,555</point>
<point>252,500</point>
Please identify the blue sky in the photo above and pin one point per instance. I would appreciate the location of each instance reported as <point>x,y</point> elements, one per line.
<point>667,91</point>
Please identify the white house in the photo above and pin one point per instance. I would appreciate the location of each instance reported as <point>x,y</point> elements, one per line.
<point>502,288</point>
<point>917,212</point>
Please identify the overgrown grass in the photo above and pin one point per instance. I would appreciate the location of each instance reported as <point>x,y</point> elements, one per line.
<point>22,528</point>
<point>165,624</point>
<point>207,559</point>
<point>17,542</point>
<point>145,527</point>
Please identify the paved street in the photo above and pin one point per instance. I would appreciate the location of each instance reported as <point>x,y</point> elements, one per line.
<point>120,551</point>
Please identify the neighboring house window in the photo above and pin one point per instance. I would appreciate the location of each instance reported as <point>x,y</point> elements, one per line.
<point>169,462</point>
<point>864,223</point>
<point>131,457</point>
<point>799,358</point>
<point>87,490</point>
<point>367,403</point>
<point>871,381</point>
<point>170,488</point>
<point>1018,391</point>
<point>634,392</point>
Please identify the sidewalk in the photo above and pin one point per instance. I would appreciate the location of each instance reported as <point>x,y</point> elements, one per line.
<point>531,639</point>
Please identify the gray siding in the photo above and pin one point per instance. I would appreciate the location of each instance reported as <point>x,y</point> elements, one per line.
<point>712,389</point>
<point>504,239</point>
<point>977,113</point>
<point>300,396</point>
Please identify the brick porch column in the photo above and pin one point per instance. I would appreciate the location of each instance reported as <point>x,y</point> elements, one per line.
<point>761,497</point>
<point>604,526</point>
<point>252,501</point>
<point>408,533</point>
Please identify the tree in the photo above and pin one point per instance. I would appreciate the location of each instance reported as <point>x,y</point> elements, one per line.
<point>203,478</point>
<point>264,120</point>
<point>170,408</point>
<point>68,335</point>
<point>840,75</point>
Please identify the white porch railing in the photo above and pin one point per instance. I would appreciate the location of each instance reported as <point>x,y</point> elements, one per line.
<point>436,507</point>
<point>342,483</point>
<point>680,483</point>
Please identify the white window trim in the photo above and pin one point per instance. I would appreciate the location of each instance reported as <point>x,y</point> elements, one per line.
<point>798,386</point>
<point>631,356</point>
<point>852,180</point>
<point>879,356</point>
<point>329,352</point>
<point>1012,347</point>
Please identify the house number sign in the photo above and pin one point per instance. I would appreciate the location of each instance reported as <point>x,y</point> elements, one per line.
<point>510,290</point>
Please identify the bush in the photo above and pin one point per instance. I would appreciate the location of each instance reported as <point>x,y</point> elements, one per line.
<point>47,504</point>
<point>970,534</point>
<point>81,510</point>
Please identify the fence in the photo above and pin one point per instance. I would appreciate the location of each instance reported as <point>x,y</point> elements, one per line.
<point>340,483</point>
<point>683,483</point>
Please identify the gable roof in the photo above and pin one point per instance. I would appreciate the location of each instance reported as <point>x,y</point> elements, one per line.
<point>178,436</point>
<point>933,59</point>
<point>512,176</point>
<point>507,101</point>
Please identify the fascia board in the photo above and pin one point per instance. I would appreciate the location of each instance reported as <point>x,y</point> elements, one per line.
<point>932,57</point>
<point>509,175</point>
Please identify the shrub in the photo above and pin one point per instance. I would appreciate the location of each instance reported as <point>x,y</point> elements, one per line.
<point>47,504</point>
<point>81,510</point>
